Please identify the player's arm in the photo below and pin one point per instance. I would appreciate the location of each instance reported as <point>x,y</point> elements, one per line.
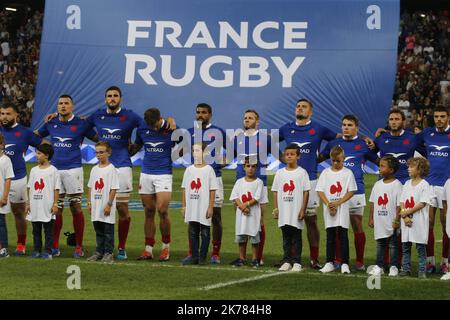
<point>379,132</point>
<point>89,201</point>
<point>6,188</point>
<point>55,202</point>
<point>324,154</point>
<point>302,212</point>
<point>324,199</point>
<point>183,201</point>
<point>275,211</point>
<point>371,215</point>
<point>212,197</point>
<point>396,222</point>
<point>50,117</point>
<point>241,206</point>
<point>134,148</point>
<point>112,196</point>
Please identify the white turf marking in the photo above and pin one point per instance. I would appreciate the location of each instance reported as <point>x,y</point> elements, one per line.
<point>270,272</point>
<point>230,283</point>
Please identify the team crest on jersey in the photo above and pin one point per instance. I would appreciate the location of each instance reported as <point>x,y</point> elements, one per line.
<point>73,128</point>
<point>312,132</point>
<point>122,118</point>
<point>406,142</point>
<point>358,147</point>
<point>18,134</point>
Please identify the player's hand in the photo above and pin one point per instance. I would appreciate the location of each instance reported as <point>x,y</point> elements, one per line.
<point>183,211</point>
<point>55,210</point>
<point>3,202</point>
<point>107,210</point>
<point>301,215</point>
<point>370,143</point>
<point>171,123</point>
<point>27,208</point>
<point>333,212</point>
<point>50,117</point>
<point>395,224</point>
<point>408,221</point>
<point>275,213</point>
<point>209,213</point>
<point>379,132</point>
<point>371,223</point>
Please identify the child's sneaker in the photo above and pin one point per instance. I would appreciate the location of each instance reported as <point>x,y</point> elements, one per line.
<point>404,274</point>
<point>78,253</point>
<point>35,255</point>
<point>95,257</point>
<point>297,267</point>
<point>345,268</point>
<point>202,261</point>
<point>446,276</point>
<point>189,261</point>
<point>20,250</point>
<point>4,253</point>
<point>376,271</point>
<point>431,268</point>
<point>315,265</point>
<point>328,267</point>
<point>285,267</point>
<point>122,255</point>
<point>255,263</point>
<point>47,256</point>
<point>444,268</point>
<point>56,252</point>
<point>393,271</point>
<point>108,258</point>
<point>238,262</point>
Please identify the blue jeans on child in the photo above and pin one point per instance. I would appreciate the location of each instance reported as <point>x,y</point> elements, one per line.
<point>331,244</point>
<point>3,231</point>
<point>421,252</point>
<point>198,230</point>
<point>104,235</point>
<point>392,242</point>
<point>292,244</point>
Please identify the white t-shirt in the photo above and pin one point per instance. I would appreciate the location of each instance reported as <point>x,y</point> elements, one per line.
<point>335,184</point>
<point>412,195</point>
<point>245,191</point>
<point>385,198</point>
<point>6,172</point>
<point>447,198</point>
<point>42,184</point>
<point>197,184</point>
<point>101,182</point>
<point>290,185</point>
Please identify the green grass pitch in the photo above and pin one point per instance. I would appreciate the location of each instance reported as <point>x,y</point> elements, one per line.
<point>24,278</point>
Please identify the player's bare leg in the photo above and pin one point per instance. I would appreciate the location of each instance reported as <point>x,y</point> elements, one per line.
<point>262,236</point>
<point>162,206</point>
<point>124,224</point>
<point>431,261</point>
<point>313,237</point>
<point>18,209</point>
<point>149,203</point>
<point>360,239</point>
<point>78,222</point>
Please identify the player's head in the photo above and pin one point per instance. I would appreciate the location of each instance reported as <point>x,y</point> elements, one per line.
<point>8,114</point>
<point>203,113</point>
<point>291,154</point>
<point>65,105</point>
<point>396,120</point>
<point>44,153</point>
<point>250,166</point>
<point>251,119</point>
<point>418,129</point>
<point>198,152</point>
<point>102,151</point>
<point>153,118</point>
<point>350,126</point>
<point>337,157</point>
<point>113,97</point>
<point>303,109</point>
<point>388,166</point>
<point>418,167</point>
<point>441,116</point>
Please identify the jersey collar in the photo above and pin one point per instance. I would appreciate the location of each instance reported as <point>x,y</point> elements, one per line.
<point>70,119</point>
<point>302,125</point>
<point>446,129</point>
<point>118,111</point>
<point>14,125</point>
<point>251,135</point>
<point>354,138</point>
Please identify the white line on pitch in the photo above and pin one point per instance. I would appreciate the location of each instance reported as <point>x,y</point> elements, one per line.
<point>230,283</point>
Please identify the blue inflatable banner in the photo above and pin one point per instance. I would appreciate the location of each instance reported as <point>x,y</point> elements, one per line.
<point>231,54</point>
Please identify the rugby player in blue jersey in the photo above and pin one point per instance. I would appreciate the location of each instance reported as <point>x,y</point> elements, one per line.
<point>17,140</point>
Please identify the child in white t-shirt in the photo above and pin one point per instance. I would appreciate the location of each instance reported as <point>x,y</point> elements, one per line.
<point>42,206</point>
<point>246,195</point>
<point>290,188</point>
<point>335,187</point>
<point>415,201</point>
<point>6,174</point>
<point>447,221</point>
<point>385,214</point>
<point>199,191</point>
<point>103,185</point>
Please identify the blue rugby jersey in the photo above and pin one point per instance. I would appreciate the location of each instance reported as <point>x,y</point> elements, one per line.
<point>308,138</point>
<point>437,146</point>
<point>116,128</point>
<point>66,138</point>
<point>401,147</point>
<point>17,140</point>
